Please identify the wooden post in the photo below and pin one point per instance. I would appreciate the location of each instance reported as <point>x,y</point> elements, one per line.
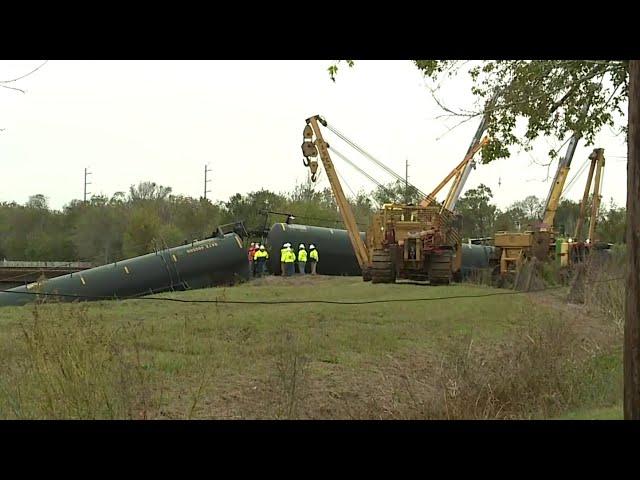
<point>632,307</point>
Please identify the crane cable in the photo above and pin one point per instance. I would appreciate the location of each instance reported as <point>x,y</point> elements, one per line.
<point>572,182</point>
<point>341,177</point>
<point>369,196</point>
<point>371,157</point>
<point>363,172</point>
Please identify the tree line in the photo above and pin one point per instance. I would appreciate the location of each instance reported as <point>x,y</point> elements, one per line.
<point>481,218</point>
<point>147,217</point>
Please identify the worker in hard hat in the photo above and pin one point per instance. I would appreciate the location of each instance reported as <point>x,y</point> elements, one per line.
<point>252,250</point>
<point>283,252</point>
<point>313,258</point>
<point>302,258</point>
<point>289,261</point>
<point>260,257</point>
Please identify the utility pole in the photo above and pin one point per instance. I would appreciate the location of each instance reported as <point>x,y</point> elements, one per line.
<point>206,171</point>
<point>86,172</point>
<point>632,303</point>
<point>406,181</point>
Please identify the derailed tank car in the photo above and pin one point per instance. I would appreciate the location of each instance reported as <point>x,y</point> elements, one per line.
<point>336,252</point>
<point>200,264</point>
<point>477,257</point>
<point>334,248</point>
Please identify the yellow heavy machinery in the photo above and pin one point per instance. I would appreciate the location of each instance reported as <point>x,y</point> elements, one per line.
<point>516,248</point>
<point>404,241</point>
<point>577,249</point>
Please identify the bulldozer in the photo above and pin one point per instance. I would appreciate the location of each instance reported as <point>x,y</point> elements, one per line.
<point>404,242</point>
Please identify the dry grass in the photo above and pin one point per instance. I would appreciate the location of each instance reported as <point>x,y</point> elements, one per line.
<point>542,371</point>
<point>499,357</point>
<point>604,287</point>
<point>68,365</point>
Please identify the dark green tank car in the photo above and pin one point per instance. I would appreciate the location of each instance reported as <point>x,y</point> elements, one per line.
<point>200,264</point>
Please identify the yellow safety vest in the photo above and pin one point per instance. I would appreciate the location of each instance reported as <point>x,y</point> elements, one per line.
<point>314,255</point>
<point>302,255</point>
<point>261,254</point>
<point>289,257</point>
<point>283,255</point>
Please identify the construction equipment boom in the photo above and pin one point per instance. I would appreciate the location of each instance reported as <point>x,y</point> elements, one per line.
<point>310,150</point>
<point>463,169</point>
<point>597,166</point>
<point>404,241</point>
<point>553,197</point>
<point>458,173</point>
<point>577,249</point>
<point>518,247</point>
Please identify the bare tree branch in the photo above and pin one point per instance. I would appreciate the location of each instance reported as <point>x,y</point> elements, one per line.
<point>25,75</point>
<point>12,88</point>
<point>447,109</point>
<point>465,120</point>
<point>573,85</point>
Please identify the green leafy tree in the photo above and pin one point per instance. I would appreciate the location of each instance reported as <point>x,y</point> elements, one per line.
<point>141,233</point>
<point>567,216</point>
<point>548,95</point>
<point>98,230</point>
<point>531,208</point>
<point>396,192</point>
<point>612,228</point>
<point>148,191</point>
<point>477,213</point>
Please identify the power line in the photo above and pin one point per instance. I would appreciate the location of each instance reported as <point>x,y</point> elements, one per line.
<point>371,157</point>
<point>363,172</point>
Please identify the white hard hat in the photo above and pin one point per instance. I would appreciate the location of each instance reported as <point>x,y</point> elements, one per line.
<point>261,247</point>
<point>287,244</point>
<point>312,246</point>
<point>301,245</point>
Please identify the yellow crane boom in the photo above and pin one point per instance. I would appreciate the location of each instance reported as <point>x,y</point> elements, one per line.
<point>310,149</point>
<point>555,192</point>
<point>457,173</point>
<point>462,170</point>
<point>597,166</point>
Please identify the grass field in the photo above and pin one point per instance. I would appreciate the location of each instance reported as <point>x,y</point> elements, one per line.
<point>508,356</point>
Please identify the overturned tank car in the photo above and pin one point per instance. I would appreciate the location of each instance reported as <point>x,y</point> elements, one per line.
<point>215,261</point>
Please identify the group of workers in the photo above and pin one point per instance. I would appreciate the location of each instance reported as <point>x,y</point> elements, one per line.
<point>288,259</point>
<point>258,257</point>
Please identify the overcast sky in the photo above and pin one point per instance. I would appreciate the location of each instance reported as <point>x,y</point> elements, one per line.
<point>131,121</point>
